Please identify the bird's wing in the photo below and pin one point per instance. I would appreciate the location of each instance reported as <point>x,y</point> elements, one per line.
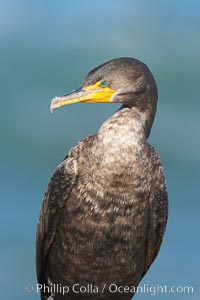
<point>57,193</point>
<point>158,212</point>
<point>58,190</point>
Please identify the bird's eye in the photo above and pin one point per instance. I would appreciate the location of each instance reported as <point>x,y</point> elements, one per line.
<point>104,83</point>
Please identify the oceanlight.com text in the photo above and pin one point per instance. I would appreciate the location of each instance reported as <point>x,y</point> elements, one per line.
<point>111,288</point>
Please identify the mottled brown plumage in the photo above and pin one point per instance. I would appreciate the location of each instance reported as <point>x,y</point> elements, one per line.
<point>105,209</point>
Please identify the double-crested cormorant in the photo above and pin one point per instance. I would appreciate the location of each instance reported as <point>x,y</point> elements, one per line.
<point>104,212</point>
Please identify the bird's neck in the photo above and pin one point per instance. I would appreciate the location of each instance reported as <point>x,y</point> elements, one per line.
<point>124,129</point>
<point>119,139</point>
<point>117,146</point>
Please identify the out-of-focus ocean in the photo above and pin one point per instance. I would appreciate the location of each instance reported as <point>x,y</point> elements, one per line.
<point>46,48</point>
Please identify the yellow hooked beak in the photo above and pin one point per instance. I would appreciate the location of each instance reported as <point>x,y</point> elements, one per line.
<point>94,93</point>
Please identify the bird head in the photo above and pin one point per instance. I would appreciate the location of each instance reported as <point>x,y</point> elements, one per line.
<point>122,80</point>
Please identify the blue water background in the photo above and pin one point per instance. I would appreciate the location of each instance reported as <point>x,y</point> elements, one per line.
<point>46,47</point>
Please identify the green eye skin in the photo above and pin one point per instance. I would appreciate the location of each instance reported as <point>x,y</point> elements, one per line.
<point>104,83</point>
